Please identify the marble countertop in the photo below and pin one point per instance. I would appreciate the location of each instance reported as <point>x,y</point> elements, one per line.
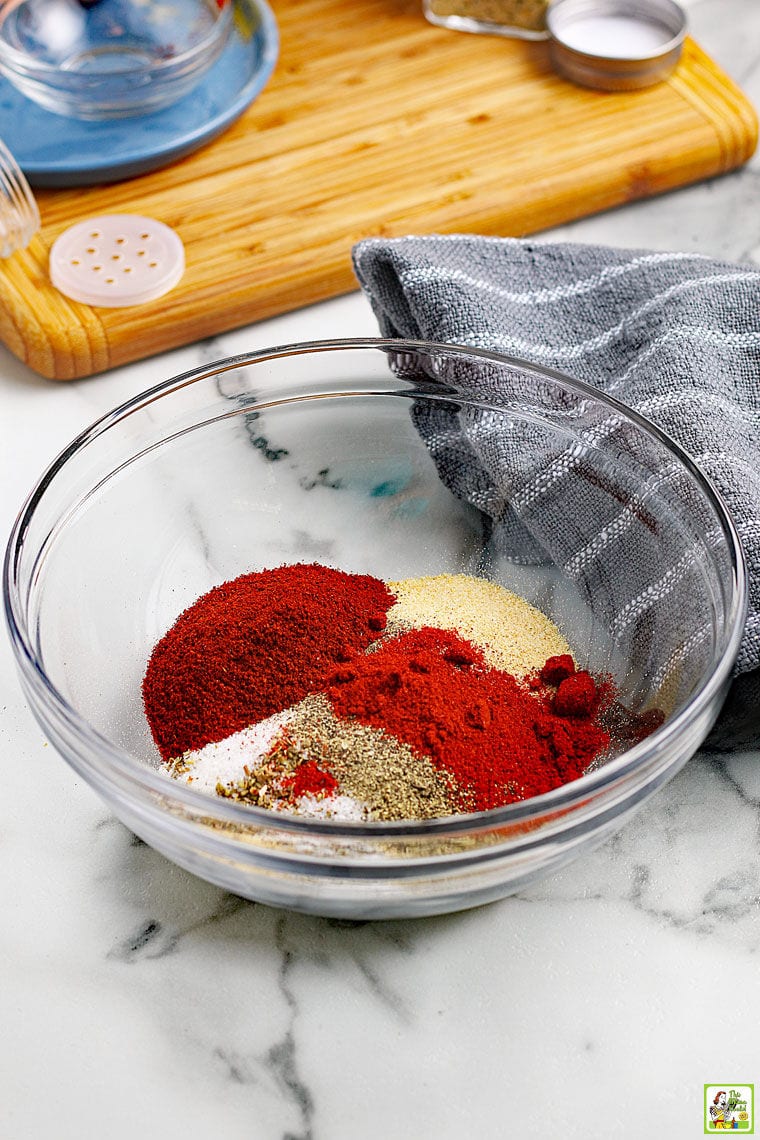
<point>138,1001</point>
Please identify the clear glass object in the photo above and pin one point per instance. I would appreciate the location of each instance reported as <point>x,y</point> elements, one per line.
<point>344,453</point>
<point>19,214</point>
<point>522,19</point>
<point>107,59</point>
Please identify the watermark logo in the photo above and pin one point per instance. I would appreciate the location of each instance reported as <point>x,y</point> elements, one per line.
<point>730,1108</point>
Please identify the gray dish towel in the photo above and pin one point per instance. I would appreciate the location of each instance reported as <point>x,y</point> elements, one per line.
<point>674,335</point>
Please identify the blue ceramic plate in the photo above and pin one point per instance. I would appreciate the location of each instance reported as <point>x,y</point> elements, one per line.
<point>54,150</point>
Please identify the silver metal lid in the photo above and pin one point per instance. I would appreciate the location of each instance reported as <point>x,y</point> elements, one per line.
<point>615,45</point>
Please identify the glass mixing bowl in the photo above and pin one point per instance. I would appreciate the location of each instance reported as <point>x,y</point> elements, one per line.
<point>395,459</point>
<point>110,59</point>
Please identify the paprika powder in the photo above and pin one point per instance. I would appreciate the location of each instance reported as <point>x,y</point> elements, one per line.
<point>497,739</point>
<point>254,646</point>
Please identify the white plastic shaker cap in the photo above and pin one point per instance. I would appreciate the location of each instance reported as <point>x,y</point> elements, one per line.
<point>117,259</point>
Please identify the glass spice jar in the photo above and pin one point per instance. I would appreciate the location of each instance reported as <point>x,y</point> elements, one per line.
<point>525,19</point>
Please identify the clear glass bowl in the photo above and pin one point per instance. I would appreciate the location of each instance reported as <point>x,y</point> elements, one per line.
<point>349,453</point>
<point>110,59</point>
<point>19,213</point>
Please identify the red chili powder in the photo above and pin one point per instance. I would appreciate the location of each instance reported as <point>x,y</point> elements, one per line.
<point>577,695</point>
<point>309,779</point>
<point>556,669</point>
<point>254,646</point>
<point>498,739</point>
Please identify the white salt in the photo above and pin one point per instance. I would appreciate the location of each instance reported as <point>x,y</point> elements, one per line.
<point>340,807</point>
<point>225,761</point>
<point>615,37</point>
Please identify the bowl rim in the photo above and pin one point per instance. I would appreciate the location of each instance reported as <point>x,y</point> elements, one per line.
<point>157,784</point>
<point>14,62</point>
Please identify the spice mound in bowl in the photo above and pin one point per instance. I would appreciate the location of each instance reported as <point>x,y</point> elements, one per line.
<point>404,619</point>
<point>308,689</point>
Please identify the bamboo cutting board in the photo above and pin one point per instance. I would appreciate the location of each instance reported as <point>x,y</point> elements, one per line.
<point>375,123</point>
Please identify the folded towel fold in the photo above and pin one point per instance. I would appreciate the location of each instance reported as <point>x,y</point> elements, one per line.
<point>676,336</point>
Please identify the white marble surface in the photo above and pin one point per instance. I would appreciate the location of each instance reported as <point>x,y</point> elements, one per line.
<point>137,1001</point>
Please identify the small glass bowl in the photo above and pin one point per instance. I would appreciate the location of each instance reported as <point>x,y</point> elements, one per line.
<point>19,213</point>
<point>110,59</point>
<point>351,453</point>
